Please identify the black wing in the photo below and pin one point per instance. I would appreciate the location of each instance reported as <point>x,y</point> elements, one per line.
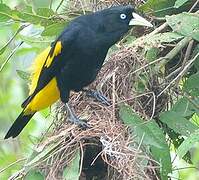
<point>57,60</point>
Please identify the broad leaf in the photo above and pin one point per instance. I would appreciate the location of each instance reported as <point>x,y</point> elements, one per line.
<point>196,62</point>
<point>152,135</point>
<point>149,131</point>
<point>151,41</point>
<point>26,50</point>
<point>4,13</point>
<point>46,12</point>
<point>179,3</point>
<point>184,107</point>
<point>185,24</point>
<point>188,143</point>
<point>39,156</point>
<point>54,29</point>
<point>192,84</point>
<point>178,123</point>
<point>34,175</point>
<point>163,157</point>
<point>164,37</point>
<point>152,54</point>
<point>158,7</point>
<point>71,172</point>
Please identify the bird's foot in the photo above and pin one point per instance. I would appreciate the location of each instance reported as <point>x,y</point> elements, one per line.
<point>82,123</point>
<point>98,96</point>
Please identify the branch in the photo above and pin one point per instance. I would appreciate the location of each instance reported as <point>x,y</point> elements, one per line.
<point>186,67</point>
<point>10,40</point>
<point>11,54</point>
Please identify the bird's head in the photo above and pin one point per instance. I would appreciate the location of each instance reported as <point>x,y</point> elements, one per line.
<point>110,24</point>
<point>121,18</point>
<point>116,21</point>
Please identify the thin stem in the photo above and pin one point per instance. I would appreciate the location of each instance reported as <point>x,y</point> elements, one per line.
<point>159,29</point>
<point>51,3</point>
<point>59,5</point>
<point>10,40</point>
<point>179,75</point>
<point>12,164</point>
<point>195,4</point>
<point>149,64</point>
<point>11,54</point>
<point>176,50</point>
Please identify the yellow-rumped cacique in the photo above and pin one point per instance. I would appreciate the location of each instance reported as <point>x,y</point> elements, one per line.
<point>73,61</point>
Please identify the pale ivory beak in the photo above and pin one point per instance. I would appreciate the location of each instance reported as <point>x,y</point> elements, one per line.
<point>139,21</point>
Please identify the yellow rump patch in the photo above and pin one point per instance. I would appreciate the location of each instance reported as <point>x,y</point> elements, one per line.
<point>44,98</point>
<point>39,63</point>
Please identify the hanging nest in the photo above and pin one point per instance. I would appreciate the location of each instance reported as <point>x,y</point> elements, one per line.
<point>108,149</point>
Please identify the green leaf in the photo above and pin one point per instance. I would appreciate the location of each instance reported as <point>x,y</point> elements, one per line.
<point>183,107</point>
<point>185,24</point>
<point>54,29</point>
<point>4,10</point>
<point>24,51</point>
<point>192,84</point>
<point>6,13</point>
<point>46,12</point>
<point>152,135</point>
<point>165,37</point>
<point>152,54</point>
<point>156,39</point>
<point>31,18</point>
<point>179,3</point>
<point>163,157</point>
<point>149,131</point>
<point>196,62</point>
<point>188,144</point>
<point>129,39</point>
<point>178,123</point>
<point>71,172</point>
<point>34,175</point>
<point>24,75</point>
<point>158,7</point>
<point>41,16</point>
<point>39,156</point>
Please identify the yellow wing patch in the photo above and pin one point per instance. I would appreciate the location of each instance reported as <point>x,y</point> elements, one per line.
<point>39,63</point>
<point>57,51</point>
<point>44,98</point>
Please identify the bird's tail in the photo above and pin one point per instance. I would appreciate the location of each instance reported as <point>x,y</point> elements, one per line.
<point>21,121</point>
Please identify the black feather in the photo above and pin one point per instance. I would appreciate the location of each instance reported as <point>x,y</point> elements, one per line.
<point>84,46</point>
<point>18,125</point>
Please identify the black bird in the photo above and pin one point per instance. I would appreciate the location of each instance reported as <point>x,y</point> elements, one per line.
<point>73,60</point>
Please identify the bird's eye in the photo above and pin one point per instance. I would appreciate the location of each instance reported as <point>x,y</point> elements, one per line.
<point>123,16</point>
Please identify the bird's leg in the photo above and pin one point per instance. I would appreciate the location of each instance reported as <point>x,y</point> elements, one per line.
<point>74,119</point>
<point>97,95</point>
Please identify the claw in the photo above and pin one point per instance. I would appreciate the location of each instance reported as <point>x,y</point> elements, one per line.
<point>98,96</point>
<point>82,123</point>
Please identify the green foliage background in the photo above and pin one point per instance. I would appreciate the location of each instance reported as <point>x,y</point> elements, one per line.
<point>13,88</point>
<point>43,22</point>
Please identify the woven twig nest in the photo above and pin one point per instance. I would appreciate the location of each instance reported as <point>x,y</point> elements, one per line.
<point>108,149</point>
